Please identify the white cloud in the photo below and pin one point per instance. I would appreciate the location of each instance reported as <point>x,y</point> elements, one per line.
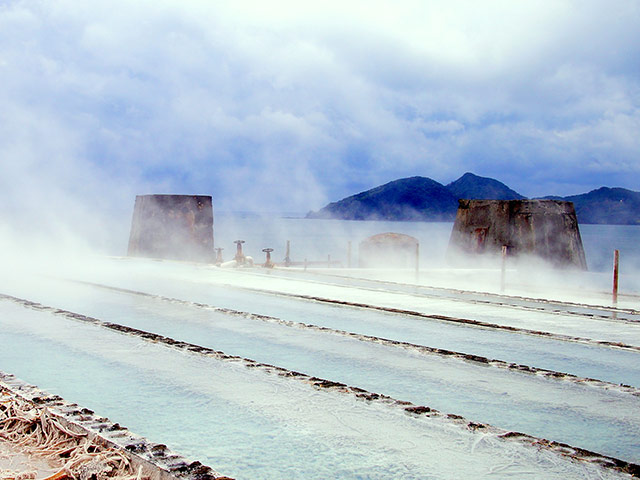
<point>287,105</point>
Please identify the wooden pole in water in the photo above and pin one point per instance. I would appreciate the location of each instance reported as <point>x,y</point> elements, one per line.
<point>503,271</point>
<point>616,263</point>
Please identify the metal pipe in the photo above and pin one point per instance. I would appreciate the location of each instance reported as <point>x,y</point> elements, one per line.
<point>268,263</point>
<point>239,255</point>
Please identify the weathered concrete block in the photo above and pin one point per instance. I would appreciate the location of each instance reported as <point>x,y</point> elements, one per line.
<point>388,250</point>
<point>178,227</point>
<point>547,229</point>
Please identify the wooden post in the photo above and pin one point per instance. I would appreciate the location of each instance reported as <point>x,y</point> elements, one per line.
<point>305,264</point>
<point>503,271</point>
<point>616,262</point>
<point>329,261</point>
<point>417,263</point>
<point>287,255</point>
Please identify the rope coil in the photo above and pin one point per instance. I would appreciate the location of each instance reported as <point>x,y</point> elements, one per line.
<point>35,432</point>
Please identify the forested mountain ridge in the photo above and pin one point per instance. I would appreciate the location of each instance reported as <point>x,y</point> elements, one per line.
<point>424,199</point>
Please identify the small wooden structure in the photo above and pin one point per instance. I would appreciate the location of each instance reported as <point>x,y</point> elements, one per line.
<point>178,227</point>
<point>388,250</point>
<point>547,229</point>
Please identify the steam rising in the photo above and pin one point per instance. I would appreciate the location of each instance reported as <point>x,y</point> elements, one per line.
<point>288,107</point>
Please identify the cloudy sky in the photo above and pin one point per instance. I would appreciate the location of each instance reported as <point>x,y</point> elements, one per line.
<point>286,105</point>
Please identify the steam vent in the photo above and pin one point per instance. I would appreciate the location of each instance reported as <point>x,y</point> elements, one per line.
<point>388,250</point>
<point>547,229</point>
<point>177,227</point>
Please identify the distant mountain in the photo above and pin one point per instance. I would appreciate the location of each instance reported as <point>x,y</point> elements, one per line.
<point>607,206</point>
<point>415,198</point>
<point>472,186</point>
<point>424,199</point>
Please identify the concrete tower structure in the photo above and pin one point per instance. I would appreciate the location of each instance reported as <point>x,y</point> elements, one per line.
<point>547,229</point>
<point>177,227</point>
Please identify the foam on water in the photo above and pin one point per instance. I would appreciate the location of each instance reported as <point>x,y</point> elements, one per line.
<point>608,364</point>
<point>604,421</point>
<point>150,277</point>
<point>250,424</point>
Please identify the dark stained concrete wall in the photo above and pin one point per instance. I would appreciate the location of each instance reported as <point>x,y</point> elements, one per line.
<point>178,227</point>
<point>547,229</point>
<point>388,250</point>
